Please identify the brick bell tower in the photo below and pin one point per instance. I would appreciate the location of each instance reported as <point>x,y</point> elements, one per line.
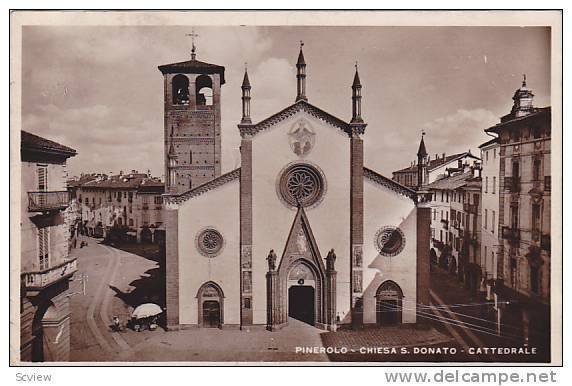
<point>192,123</point>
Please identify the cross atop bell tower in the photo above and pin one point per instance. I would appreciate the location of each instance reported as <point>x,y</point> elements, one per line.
<point>193,35</point>
<point>192,122</point>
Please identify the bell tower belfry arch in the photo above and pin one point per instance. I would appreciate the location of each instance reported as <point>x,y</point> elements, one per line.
<point>192,123</point>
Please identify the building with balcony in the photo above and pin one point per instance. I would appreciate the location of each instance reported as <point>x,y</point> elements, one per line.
<point>132,202</point>
<point>45,262</point>
<point>455,223</point>
<point>522,288</point>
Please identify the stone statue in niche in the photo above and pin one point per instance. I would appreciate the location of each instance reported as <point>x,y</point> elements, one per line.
<point>271,260</point>
<point>301,241</point>
<point>357,279</point>
<point>331,260</point>
<point>358,256</point>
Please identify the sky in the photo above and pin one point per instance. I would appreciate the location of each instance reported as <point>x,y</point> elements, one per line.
<point>98,89</point>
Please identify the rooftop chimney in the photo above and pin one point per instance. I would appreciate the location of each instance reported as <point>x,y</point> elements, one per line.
<point>443,156</point>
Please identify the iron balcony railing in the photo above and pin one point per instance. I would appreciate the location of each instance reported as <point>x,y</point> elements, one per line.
<point>512,184</point>
<point>511,234</point>
<point>46,201</point>
<point>44,278</point>
<point>545,242</point>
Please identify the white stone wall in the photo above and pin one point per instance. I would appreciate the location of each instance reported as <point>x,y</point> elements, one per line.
<point>218,208</point>
<point>383,207</point>
<point>272,219</point>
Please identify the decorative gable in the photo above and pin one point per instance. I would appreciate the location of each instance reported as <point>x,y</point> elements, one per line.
<point>251,130</point>
<point>301,244</point>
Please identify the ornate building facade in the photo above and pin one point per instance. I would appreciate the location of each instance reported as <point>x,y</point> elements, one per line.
<point>522,288</point>
<point>302,229</point>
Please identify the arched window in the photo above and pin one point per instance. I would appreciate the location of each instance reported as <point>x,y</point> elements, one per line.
<point>180,90</point>
<point>204,93</point>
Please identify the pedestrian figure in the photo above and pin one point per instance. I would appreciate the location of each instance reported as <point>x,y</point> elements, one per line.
<point>116,324</point>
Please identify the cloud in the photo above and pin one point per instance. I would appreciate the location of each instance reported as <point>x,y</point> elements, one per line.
<point>453,133</point>
<point>98,88</point>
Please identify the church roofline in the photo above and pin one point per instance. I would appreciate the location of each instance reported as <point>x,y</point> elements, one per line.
<point>193,67</point>
<point>201,189</point>
<point>389,183</point>
<point>287,112</point>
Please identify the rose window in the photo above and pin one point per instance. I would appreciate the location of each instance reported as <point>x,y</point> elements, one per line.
<point>209,242</point>
<point>389,241</point>
<point>301,184</point>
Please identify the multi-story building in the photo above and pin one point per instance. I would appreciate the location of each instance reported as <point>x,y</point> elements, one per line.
<point>522,288</point>
<point>455,223</point>
<point>490,155</point>
<point>45,263</point>
<point>455,215</point>
<point>131,200</point>
<point>435,169</point>
<point>470,256</point>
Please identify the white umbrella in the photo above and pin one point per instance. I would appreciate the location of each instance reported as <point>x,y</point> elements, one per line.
<point>146,310</point>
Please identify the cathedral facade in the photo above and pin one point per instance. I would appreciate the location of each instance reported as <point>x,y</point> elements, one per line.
<point>302,229</point>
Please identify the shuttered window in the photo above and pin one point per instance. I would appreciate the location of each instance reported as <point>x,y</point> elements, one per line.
<point>44,247</point>
<point>42,178</point>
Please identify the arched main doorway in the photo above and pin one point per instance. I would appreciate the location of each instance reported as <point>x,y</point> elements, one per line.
<point>302,293</point>
<point>210,305</point>
<point>389,304</point>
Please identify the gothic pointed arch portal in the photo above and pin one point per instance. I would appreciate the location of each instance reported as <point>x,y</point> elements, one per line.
<point>210,300</point>
<point>300,287</point>
<point>389,304</point>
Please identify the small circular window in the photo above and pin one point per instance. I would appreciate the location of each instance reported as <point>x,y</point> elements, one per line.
<point>209,242</point>
<point>301,184</point>
<point>389,241</point>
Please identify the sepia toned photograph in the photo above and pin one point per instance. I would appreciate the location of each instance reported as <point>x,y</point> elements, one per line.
<point>303,187</point>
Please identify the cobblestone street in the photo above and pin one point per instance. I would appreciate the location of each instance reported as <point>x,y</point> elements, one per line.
<point>470,319</point>
<point>117,281</point>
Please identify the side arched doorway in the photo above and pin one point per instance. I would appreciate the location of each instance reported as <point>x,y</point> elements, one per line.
<point>302,292</point>
<point>210,305</point>
<point>389,304</point>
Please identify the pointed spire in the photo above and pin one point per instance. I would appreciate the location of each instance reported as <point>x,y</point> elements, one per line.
<point>301,60</point>
<point>422,152</point>
<point>245,80</point>
<point>523,80</point>
<point>301,76</point>
<point>245,98</point>
<point>356,98</point>
<point>422,163</point>
<point>357,82</point>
